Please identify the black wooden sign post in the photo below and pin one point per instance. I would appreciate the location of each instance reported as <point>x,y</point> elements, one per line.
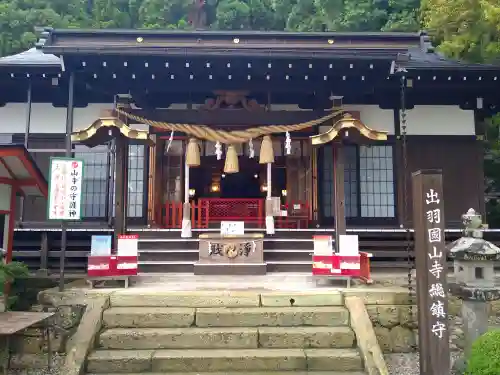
<point>431,267</point>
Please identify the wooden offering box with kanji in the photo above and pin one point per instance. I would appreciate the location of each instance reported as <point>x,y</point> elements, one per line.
<point>231,255</point>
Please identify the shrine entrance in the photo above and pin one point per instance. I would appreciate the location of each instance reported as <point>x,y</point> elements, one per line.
<point>210,181</point>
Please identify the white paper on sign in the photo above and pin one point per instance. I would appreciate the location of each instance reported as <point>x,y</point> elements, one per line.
<point>232,228</point>
<point>323,245</point>
<point>127,245</point>
<point>348,245</point>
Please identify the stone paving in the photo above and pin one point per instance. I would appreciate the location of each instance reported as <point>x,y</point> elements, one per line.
<point>271,281</point>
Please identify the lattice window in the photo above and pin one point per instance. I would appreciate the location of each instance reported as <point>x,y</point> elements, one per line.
<point>135,206</point>
<point>95,180</point>
<point>350,182</point>
<point>376,181</point>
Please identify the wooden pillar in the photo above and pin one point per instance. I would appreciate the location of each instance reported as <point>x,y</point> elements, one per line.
<point>292,179</point>
<point>314,184</point>
<point>121,186</point>
<point>153,171</point>
<point>338,181</point>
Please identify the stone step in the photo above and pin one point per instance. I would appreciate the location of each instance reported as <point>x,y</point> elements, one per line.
<point>179,338</point>
<point>218,298</point>
<point>249,373</point>
<point>306,337</point>
<point>230,338</point>
<point>272,316</point>
<point>157,298</point>
<point>172,317</point>
<point>220,360</point>
<point>148,317</point>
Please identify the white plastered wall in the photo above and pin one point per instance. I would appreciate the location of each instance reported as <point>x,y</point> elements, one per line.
<point>439,120</point>
<point>372,116</point>
<point>45,118</point>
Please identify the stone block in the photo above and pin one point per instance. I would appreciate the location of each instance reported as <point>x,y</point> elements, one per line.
<point>253,373</point>
<point>299,299</point>
<point>402,340</point>
<point>148,317</point>
<point>133,298</point>
<point>395,296</point>
<point>179,338</point>
<point>229,360</point>
<point>31,342</point>
<point>272,317</point>
<point>384,315</point>
<point>338,359</point>
<point>306,337</point>
<point>119,361</point>
<point>82,342</point>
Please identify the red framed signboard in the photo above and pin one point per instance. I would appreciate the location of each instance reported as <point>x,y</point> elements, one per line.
<point>108,266</point>
<point>124,263</point>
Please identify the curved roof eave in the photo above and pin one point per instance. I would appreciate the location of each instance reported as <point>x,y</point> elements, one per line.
<point>32,58</point>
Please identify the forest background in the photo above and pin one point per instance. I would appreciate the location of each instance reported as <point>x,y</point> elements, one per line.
<point>462,29</point>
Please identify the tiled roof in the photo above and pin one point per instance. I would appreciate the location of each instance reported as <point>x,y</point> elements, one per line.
<point>30,58</point>
<point>421,59</point>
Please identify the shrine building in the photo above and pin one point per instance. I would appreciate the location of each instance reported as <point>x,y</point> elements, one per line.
<point>180,131</point>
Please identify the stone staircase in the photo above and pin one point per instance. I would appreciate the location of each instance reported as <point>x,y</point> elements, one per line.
<point>225,334</point>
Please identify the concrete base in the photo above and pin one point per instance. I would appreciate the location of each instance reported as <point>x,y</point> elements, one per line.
<point>230,269</point>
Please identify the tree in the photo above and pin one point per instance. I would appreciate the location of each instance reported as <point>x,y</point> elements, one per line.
<point>464,29</point>
<point>470,30</point>
<point>18,18</point>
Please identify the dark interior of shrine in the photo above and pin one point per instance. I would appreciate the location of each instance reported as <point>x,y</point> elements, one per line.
<point>250,182</point>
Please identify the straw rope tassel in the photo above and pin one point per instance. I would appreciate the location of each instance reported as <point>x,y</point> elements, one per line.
<point>266,151</point>
<point>231,165</point>
<point>193,153</point>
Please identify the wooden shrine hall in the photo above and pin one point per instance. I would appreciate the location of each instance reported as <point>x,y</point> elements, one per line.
<point>294,134</point>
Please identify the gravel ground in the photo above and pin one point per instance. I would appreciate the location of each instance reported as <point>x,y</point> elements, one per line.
<point>408,363</point>
<point>39,371</point>
<point>57,361</point>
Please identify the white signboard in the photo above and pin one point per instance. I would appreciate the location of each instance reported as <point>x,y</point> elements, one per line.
<point>65,189</point>
<point>100,245</point>
<point>127,245</point>
<point>232,228</point>
<point>348,245</point>
<point>323,245</point>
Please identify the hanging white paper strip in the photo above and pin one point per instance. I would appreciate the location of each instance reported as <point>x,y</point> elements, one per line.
<point>218,150</point>
<point>251,151</point>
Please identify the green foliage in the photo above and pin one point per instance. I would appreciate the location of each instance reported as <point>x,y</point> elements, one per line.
<point>485,355</point>
<point>11,273</point>
<point>18,18</point>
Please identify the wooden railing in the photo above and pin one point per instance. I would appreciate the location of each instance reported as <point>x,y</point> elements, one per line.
<point>172,215</point>
<point>211,211</point>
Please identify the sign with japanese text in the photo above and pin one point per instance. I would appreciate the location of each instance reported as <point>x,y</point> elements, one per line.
<point>111,266</point>
<point>127,245</point>
<point>431,271</point>
<point>65,189</point>
<point>323,245</point>
<point>232,228</point>
<point>100,245</point>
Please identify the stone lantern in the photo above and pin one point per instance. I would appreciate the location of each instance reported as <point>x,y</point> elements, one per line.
<point>473,258</point>
<point>473,261</point>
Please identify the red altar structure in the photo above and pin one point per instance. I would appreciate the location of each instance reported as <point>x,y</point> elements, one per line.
<point>209,212</point>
